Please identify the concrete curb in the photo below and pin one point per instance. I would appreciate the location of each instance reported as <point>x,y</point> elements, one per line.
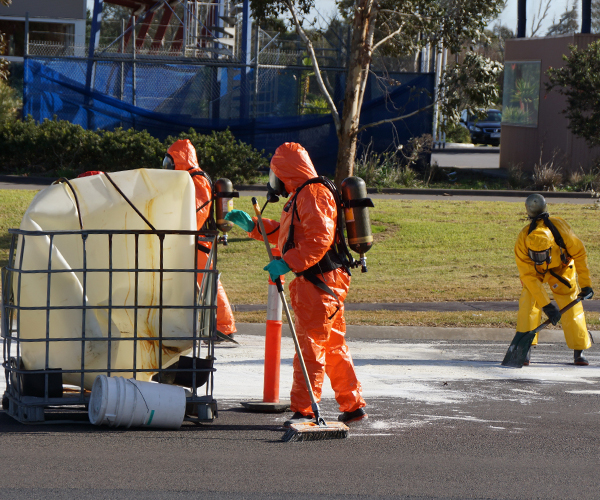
<point>15,179</point>
<point>457,192</point>
<point>590,306</point>
<point>356,332</point>
<point>469,148</point>
<point>18,179</point>
<point>482,192</point>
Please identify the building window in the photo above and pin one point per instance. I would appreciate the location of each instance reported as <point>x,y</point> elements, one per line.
<point>521,97</point>
<point>55,34</point>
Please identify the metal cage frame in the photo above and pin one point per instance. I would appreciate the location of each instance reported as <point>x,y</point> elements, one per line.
<point>38,396</point>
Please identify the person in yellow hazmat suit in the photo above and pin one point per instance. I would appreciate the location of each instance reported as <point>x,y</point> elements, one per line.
<point>548,251</point>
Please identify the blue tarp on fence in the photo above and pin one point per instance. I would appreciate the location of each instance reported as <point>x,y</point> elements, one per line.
<point>166,99</point>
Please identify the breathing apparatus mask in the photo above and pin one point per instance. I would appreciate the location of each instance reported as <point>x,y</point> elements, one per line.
<point>539,258</point>
<point>539,244</point>
<point>275,188</point>
<point>168,162</point>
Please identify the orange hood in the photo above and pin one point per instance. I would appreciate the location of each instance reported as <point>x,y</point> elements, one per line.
<point>292,165</point>
<point>184,155</point>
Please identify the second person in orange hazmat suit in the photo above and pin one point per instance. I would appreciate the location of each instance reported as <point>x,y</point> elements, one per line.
<point>182,156</point>
<point>319,316</point>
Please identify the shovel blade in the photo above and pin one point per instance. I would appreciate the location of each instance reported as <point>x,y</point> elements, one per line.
<point>518,349</point>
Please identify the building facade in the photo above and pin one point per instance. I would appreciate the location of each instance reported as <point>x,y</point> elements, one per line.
<point>534,127</point>
<point>59,23</point>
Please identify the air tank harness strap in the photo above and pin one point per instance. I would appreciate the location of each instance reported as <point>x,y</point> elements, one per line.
<point>358,203</point>
<point>268,234</point>
<point>332,258</point>
<point>314,279</point>
<point>207,177</point>
<point>232,194</point>
<point>196,171</point>
<point>202,248</point>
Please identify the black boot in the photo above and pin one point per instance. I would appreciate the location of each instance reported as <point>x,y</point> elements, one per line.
<point>353,416</point>
<point>526,362</point>
<point>297,418</point>
<point>579,360</point>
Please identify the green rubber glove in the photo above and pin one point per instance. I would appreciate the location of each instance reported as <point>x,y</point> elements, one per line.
<point>276,268</point>
<point>241,219</point>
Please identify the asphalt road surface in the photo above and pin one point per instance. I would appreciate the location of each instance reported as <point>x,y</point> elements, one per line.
<point>446,421</point>
<point>478,157</point>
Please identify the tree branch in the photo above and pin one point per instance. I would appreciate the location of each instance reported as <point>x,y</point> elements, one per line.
<point>391,120</point>
<point>389,37</point>
<point>315,64</point>
<point>373,11</point>
<point>541,17</point>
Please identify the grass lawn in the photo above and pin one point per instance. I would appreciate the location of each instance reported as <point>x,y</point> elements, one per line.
<point>424,251</point>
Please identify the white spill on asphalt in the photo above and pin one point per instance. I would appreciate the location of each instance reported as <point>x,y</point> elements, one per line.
<point>435,373</point>
<point>419,371</point>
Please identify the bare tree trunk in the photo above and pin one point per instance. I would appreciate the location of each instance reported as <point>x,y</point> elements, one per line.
<point>360,61</point>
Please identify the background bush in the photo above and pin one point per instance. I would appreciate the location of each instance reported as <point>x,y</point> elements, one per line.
<point>9,102</point>
<point>221,155</point>
<point>458,133</point>
<point>58,148</point>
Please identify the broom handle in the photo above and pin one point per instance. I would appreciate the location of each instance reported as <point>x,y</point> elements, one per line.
<point>315,406</point>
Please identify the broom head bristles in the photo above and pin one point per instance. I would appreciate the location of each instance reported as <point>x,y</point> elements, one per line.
<point>310,431</point>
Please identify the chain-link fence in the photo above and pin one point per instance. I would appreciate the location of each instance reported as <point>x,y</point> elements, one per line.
<point>266,97</point>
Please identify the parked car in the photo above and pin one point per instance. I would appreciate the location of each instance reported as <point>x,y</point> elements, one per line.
<point>486,131</point>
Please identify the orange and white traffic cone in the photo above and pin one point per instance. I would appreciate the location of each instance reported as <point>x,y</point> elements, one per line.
<point>270,402</point>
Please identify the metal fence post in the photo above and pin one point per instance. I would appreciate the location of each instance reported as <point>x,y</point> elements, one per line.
<point>25,64</point>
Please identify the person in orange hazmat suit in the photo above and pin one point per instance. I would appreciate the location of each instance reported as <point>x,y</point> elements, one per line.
<point>182,156</point>
<point>548,251</point>
<point>319,316</point>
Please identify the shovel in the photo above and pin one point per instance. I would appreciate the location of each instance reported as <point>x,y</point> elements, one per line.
<point>521,343</point>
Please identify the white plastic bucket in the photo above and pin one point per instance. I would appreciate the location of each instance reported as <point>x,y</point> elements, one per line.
<point>120,402</point>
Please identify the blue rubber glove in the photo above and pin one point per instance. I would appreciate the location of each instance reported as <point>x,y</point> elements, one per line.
<point>276,268</point>
<point>241,219</point>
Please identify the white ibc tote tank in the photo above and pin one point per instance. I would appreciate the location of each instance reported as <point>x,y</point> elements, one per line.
<point>166,199</point>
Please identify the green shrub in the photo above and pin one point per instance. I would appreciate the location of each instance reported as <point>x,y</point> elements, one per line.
<point>517,179</point>
<point>385,170</point>
<point>9,102</point>
<point>58,148</point>
<point>47,148</point>
<point>221,155</point>
<point>458,133</point>
<point>585,180</point>
<point>128,150</point>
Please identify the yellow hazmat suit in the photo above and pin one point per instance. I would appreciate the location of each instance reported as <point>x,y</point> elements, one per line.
<point>561,274</point>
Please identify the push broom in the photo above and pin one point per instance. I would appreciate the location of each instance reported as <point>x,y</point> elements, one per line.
<point>305,431</point>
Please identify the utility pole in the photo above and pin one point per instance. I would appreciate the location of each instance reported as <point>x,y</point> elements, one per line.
<point>521,18</point>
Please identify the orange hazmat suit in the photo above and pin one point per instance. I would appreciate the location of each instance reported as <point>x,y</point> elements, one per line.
<point>184,157</point>
<point>320,324</point>
<point>560,276</point>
